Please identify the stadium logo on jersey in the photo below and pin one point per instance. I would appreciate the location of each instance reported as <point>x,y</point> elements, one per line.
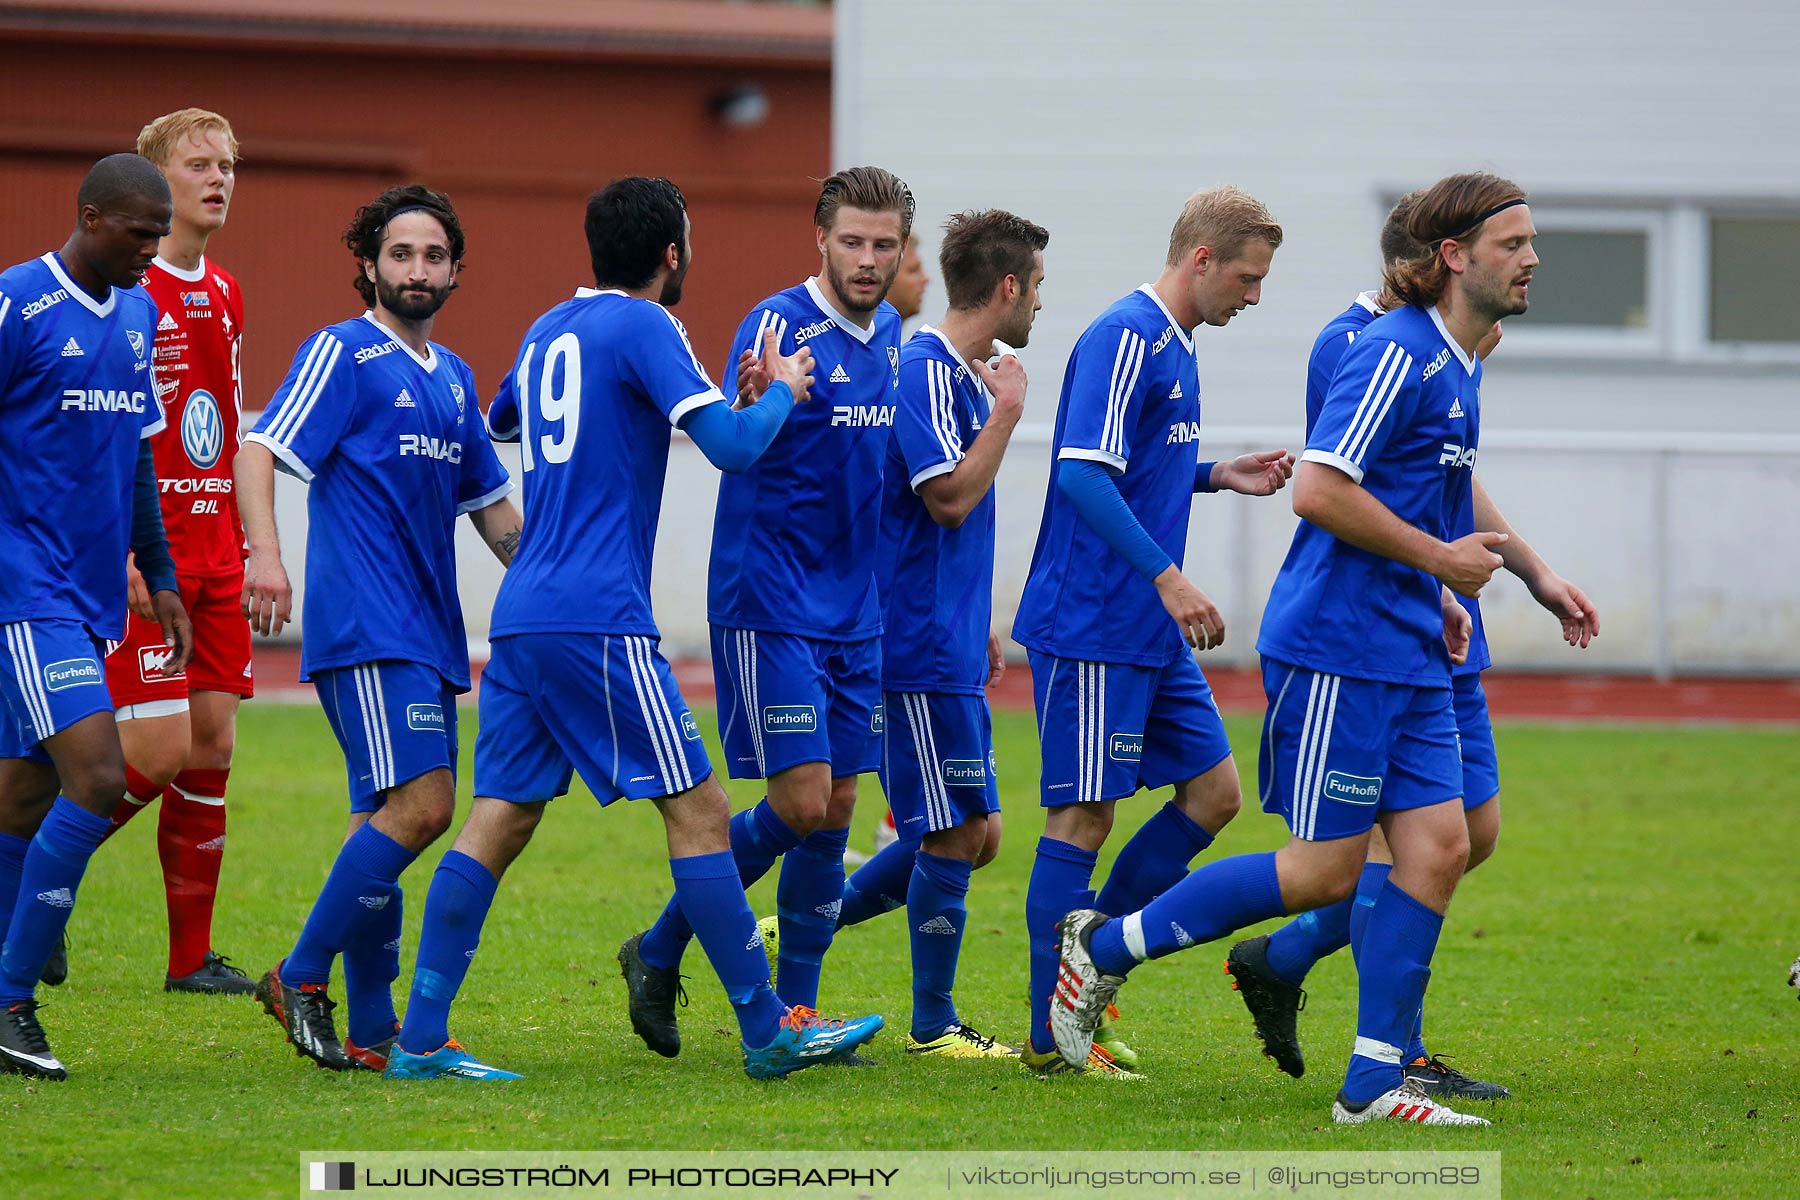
<point>807,332</point>
<point>690,728</point>
<point>1162,341</point>
<point>404,400</point>
<point>1435,365</point>
<point>878,719</point>
<point>72,349</point>
<point>1457,456</point>
<point>196,300</point>
<point>1125,747</point>
<point>1456,409</point>
<point>426,718</point>
<point>790,718</point>
<point>167,323</point>
<point>839,375</point>
<point>152,660</point>
<point>1183,431</point>
<point>102,400</point>
<point>862,416</point>
<point>1352,789</point>
<point>47,300</point>
<point>137,342</point>
<point>72,672</point>
<point>964,772</point>
<point>202,430</point>
<point>368,352</point>
<point>426,446</point>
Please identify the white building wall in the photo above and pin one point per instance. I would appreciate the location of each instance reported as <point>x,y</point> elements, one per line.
<point>1668,489</point>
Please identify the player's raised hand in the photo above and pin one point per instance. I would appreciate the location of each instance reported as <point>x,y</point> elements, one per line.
<point>1469,562</point>
<point>795,370</point>
<point>1459,628</point>
<point>1570,605</point>
<point>268,597</point>
<point>1197,617</point>
<point>178,631</point>
<point>1260,474</point>
<point>137,592</point>
<point>752,378</point>
<point>1005,382</point>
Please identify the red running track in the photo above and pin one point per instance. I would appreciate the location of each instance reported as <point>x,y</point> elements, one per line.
<point>1512,695</point>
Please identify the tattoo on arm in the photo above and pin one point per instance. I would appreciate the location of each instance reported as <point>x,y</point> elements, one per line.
<point>506,545</point>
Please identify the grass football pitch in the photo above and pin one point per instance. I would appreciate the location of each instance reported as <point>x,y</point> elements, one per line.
<point>1619,964</point>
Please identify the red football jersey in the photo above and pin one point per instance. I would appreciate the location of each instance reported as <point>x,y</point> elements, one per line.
<point>197,379</point>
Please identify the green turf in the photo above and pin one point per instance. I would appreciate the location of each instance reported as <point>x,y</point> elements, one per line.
<point>1619,964</point>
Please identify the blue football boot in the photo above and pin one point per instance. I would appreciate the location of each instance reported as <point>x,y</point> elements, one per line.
<point>806,1040</point>
<point>449,1061</point>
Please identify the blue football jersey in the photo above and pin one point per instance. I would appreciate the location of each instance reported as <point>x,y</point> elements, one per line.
<point>936,584</point>
<point>76,396</point>
<point>1402,418</point>
<point>1327,352</point>
<point>600,381</point>
<point>795,536</point>
<point>394,449</point>
<point>1131,401</point>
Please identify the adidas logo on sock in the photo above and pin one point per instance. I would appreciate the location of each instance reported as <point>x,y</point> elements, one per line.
<point>58,898</point>
<point>167,322</point>
<point>393,945</point>
<point>1456,407</point>
<point>756,940</point>
<point>72,349</point>
<point>838,374</point>
<point>937,924</point>
<point>1182,936</point>
<point>830,911</point>
<point>217,843</point>
<point>468,954</point>
<point>375,902</point>
<point>404,400</point>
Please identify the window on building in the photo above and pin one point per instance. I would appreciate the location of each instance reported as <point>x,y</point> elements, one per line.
<point>1754,266</point>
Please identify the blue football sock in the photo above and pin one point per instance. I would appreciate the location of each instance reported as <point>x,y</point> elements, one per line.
<point>12,865</point>
<point>1060,879</point>
<point>937,910</point>
<point>709,886</point>
<point>49,878</point>
<point>1401,937</point>
<point>1415,1047</point>
<point>758,837</point>
<point>371,964</point>
<point>1215,900</point>
<point>807,899</point>
<point>880,885</point>
<point>1309,937</point>
<point>358,888</point>
<point>1368,889</point>
<point>462,891</point>
<point>1152,862</point>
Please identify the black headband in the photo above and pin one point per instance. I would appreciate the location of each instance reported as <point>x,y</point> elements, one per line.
<point>1479,221</point>
<point>426,208</point>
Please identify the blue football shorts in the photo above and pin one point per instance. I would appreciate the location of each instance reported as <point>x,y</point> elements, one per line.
<point>786,700</point>
<point>937,760</point>
<point>395,720</point>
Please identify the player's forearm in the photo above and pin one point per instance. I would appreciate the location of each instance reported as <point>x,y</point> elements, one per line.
<point>951,497</point>
<point>733,439</point>
<point>1516,553</point>
<point>500,526</point>
<point>1341,507</point>
<point>1100,504</point>
<point>149,540</point>
<point>253,472</point>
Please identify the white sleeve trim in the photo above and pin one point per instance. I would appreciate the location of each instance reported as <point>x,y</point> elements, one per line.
<point>697,400</point>
<point>285,458</point>
<point>494,497</point>
<point>1106,457</point>
<point>1334,460</point>
<point>932,472</point>
<point>162,423</point>
<point>503,435</point>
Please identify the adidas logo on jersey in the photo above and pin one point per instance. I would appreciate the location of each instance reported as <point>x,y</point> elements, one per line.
<point>375,902</point>
<point>1456,409</point>
<point>1182,936</point>
<point>71,349</point>
<point>404,400</point>
<point>839,375</point>
<point>58,898</point>
<point>217,843</point>
<point>938,924</point>
<point>167,323</point>
<point>1175,392</point>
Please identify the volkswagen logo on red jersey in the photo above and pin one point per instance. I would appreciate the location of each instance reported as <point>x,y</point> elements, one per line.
<point>202,430</point>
